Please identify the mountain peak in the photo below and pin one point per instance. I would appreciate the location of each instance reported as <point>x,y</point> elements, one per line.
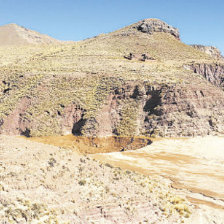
<point>155,25</point>
<point>14,34</point>
<point>13,26</point>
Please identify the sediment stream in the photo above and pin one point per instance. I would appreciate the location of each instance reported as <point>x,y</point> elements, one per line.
<point>194,166</point>
<point>92,145</point>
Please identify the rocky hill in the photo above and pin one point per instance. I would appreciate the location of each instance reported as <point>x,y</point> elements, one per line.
<point>139,80</point>
<point>13,34</point>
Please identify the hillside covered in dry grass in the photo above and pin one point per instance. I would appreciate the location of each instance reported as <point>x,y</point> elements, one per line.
<point>140,80</point>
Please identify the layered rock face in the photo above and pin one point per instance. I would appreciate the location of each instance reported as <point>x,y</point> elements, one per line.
<point>155,25</point>
<point>16,123</point>
<point>183,110</point>
<point>210,50</point>
<point>137,109</point>
<point>214,73</point>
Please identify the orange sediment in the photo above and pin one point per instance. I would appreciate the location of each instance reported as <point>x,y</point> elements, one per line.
<point>91,145</point>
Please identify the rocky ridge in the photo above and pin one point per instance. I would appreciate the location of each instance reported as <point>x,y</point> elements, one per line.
<point>137,109</point>
<point>210,50</point>
<point>213,73</point>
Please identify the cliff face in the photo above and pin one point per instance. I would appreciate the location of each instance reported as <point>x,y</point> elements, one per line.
<point>214,73</point>
<point>136,109</point>
<point>183,110</point>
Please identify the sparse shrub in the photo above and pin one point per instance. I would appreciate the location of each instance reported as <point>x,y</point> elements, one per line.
<point>82,182</point>
<point>108,165</point>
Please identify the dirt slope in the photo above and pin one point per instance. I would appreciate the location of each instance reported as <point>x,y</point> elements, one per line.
<point>46,184</point>
<point>13,34</point>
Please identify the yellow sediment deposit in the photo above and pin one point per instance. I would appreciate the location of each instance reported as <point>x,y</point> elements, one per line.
<point>91,145</point>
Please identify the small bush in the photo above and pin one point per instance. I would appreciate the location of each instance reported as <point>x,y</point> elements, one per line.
<point>82,182</point>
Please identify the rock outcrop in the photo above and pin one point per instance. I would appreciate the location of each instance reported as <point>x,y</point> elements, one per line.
<point>214,73</point>
<point>72,119</point>
<point>140,57</point>
<point>16,123</point>
<point>184,110</point>
<point>155,25</point>
<point>210,50</point>
<point>136,109</point>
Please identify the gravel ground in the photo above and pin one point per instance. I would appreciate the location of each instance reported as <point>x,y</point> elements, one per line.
<point>47,184</point>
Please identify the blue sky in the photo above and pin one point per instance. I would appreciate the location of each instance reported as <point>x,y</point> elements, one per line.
<point>199,21</point>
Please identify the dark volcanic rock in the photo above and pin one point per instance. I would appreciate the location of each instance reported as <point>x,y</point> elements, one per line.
<point>155,25</point>
<point>186,110</point>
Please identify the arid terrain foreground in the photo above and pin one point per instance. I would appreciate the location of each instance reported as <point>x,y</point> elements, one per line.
<point>124,127</point>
